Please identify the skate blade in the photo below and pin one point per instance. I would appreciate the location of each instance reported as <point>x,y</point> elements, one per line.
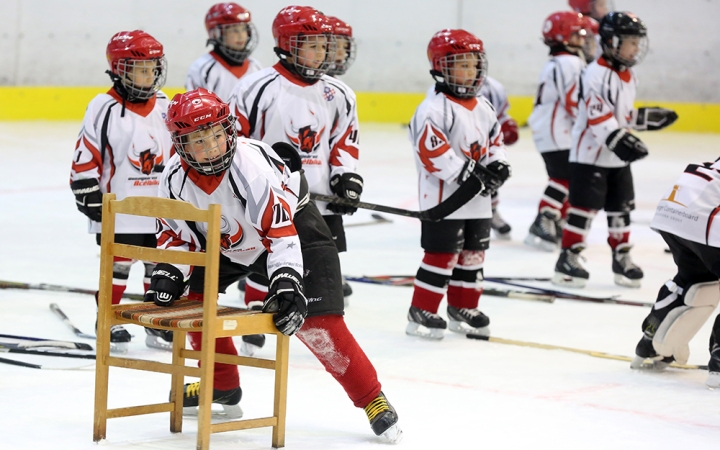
<point>118,347</point>
<point>540,244</point>
<point>560,279</point>
<point>228,412</point>
<point>158,343</point>
<point>415,329</point>
<point>650,365</point>
<point>622,280</point>
<point>713,380</point>
<point>463,328</point>
<point>393,434</point>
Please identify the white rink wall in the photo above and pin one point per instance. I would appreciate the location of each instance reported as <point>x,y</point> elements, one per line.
<point>62,43</point>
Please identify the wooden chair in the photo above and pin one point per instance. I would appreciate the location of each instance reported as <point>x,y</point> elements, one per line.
<point>183,316</point>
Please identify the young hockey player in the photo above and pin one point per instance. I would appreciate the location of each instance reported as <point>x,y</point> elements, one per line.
<point>454,132</point>
<point>685,220</point>
<point>593,11</point>
<point>234,37</point>
<point>295,102</point>
<point>121,148</point>
<point>591,50</point>
<point>552,120</point>
<point>603,148</point>
<point>345,47</point>
<point>269,227</point>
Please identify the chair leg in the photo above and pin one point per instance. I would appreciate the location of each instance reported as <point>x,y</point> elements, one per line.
<point>177,383</point>
<point>207,372</point>
<point>102,372</point>
<point>281,377</point>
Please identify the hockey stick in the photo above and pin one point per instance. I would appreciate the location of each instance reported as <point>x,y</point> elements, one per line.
<point>48,344</point>
<point>570,296</point>
<point>45,342</point>
<point>377,220</point>
<point>56,309</point>
<point>397,280</point>
<point>26,351</point>
<point>573,350</point>
<point>57,288</point>
<point>20,363</point>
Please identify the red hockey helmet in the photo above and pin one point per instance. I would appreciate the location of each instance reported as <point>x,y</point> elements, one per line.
<point>560,26</point>
<point>202,130</point>
<point>137,62</point>
<point>346,50</point>
<point>229,27</point>
<point>592,28</point>
<point>450,47</point>
<point>594,8</point>
<point>295,25</point>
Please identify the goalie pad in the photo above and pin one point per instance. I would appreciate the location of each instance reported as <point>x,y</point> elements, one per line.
<point>682,323</point>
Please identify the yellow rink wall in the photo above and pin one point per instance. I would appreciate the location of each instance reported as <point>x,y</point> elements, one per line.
<point>69,103</point>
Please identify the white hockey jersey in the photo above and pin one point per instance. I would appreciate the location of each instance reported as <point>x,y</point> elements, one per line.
<point>556,103</point>
<point>690,208</point>
<point>445,132</point>
<point>123,151</point>
<point>319,120</point>
<point>258,197</point>
<point>213,73</point>
<point>606,104</point>
<point>494,91</point>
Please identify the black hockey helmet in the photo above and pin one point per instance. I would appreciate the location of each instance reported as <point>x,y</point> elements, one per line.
<point>617,27</point>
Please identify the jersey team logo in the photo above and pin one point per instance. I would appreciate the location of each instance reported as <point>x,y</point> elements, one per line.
<point>230,235</point>
<point>432,144</point>
<point>145,156</point>
<point>476,151</point>
<point>305,138</point>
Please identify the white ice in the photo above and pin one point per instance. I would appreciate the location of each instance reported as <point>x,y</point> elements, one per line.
<point>455,393</point>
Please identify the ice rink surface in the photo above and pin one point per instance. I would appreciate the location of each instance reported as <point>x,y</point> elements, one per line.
<point>455,393</point>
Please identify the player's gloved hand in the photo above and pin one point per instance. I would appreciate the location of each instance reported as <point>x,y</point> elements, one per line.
<point>654,118</point>
<point>285,298</point>
<point>509,130</point>
<point>88,197</point>
<point>289,155</point>
<point>166,285</point>
<point>158,168</point>
<point>348,185</point>
<point>626,146</point>
<point>502,172</point>
<point>474,177</point>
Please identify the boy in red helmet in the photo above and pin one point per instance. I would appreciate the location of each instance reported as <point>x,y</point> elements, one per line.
<point>345,47</point>
<point>234,37</point>
<point>122,147</point>
<point>270,228</point>
<point>454,132</point>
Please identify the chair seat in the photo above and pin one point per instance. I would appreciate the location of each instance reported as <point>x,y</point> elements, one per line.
<point>183,314</point>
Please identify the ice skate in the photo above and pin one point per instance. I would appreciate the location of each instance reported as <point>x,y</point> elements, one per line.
<point>468,321</point>
<point>229,400</point>
<point>626,272</point>
<point>501,228</point>
<point>543,233</point>
<point>119,338</point>
<point>568,270</point>
<point>425,324</point>
<point>160,339</point>
<point>347,291</point>
<point>559,227</point>
<point>252,343</point>
<point>383,419</point>
<point>646,358</point>
<point>713,380</point>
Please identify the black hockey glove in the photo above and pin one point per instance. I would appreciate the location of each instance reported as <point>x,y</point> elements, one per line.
<point>626,146</point>
<point>348,185</point>
<point>502,171</point>
<point>654,118</point>
<point>88,198</point>
<point>476,178</point>
<point>166,285</point>
<point>285,298</point>
<point>289,155</point>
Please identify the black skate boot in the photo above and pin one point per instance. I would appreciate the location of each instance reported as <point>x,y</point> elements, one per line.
<point>543,233</point>
<point>383,419</point>
<point>468,321</point>
<point>501,228</point>
<point>252,343</point>
<point>160,339</point>
<point>568,270</point>
<point>347,291</point>
<point>626,273</point>
<point>559,227</point>
<point>713,380</point>
<point>646,358</point>
<point>432,324</point>
<point>230,400</point>
<point>119,338</point>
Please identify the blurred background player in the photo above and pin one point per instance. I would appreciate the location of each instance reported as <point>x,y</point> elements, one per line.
<point>296,103</point>
<point>269,227</point>
<point>594,11</point>
<point>233,37</point>
<point>592,49</point>
<point>552,120</point>
<point>454,132</point>
<point>345,47</point>
<point>121,148</point>
<point>684,219</point>
<point>603,148</point>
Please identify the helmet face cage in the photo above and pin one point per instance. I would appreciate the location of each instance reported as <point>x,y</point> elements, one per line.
<point>346,43</point>
<point>612,50</point>
<point>302,65</point>
<point>462,90</point>
<point>210,148</point>
<point>217,37</point>
<point>131,70</point>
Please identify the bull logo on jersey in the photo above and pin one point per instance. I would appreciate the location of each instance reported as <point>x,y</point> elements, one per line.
<point>305,138</point>
<point>476,151</point>
<point>144,156</point>
<point>230,235</point>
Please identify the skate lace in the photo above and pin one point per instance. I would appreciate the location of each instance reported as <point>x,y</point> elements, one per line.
<point>376,406</point>
<point>497,221</point>
<point>625,261</point>
<point>193,389</point>
<point>573,259</point>
<point>547,225</point>
<point>469,312</point>
<point>428,314</point>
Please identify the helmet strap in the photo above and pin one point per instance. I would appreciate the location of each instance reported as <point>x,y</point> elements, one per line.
<point>218,48</point>
<point>283,55</point>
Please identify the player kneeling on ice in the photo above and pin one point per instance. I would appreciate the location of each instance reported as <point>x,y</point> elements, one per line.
<point>602,149</point>
<point>269,227</point>
<point>684,219</point>
<point>457,142</point>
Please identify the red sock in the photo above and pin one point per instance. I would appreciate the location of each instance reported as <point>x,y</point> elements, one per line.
<point>226,376</point>
<point>465,286</point>
<point>431,280</point>
<point>254,292</point>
